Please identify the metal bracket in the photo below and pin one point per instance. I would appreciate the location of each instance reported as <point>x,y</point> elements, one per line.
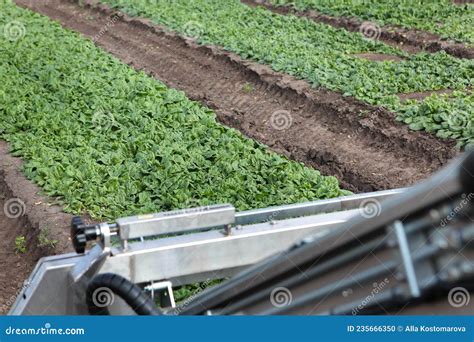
<point>165,289</point>
<point>181,257</point>
<point>177,221</point>
<point>407,259</point>
<point>106,234</point>
<point>82,272</point>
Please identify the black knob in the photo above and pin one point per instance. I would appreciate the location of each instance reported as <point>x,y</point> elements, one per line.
<point>81,233</point>
<point>78,235</point>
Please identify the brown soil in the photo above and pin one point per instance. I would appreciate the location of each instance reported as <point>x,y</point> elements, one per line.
<point>378,57</point>
<point>409,40</point>
<point>15,266</point>
<point>32,213</point>
<point>361,145</point>
<point>422,94</point>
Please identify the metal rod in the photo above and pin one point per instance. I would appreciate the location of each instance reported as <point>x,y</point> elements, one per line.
<point>312,273</point>
<point>407,259</point>
<point>364,276</point>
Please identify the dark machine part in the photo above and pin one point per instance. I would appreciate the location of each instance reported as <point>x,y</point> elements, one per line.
<point>407,256</point>
<point>400,251</point>
<point>102,288</point>
<point>82,233</point>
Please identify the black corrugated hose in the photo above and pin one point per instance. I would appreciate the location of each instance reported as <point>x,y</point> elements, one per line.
<point>102,288</point>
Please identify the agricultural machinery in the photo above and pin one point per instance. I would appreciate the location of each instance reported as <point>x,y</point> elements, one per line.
<point>404,251</point>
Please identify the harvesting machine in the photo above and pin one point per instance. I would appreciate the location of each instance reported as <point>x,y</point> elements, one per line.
<point>404,251</point>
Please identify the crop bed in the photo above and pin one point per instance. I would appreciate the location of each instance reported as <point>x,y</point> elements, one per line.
<point>442,17</point>
<point>109,141</point>
<point>371,153</point>
<point>113,141</point>
<point>105,140</point>
<point>285,43</point>
<point>407,39</point>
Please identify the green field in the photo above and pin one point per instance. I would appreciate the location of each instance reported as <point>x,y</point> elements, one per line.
<point>325,57</point>
<point>111,141</point>
<point>441,17</point>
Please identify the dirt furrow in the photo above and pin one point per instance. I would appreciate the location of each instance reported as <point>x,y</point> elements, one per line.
<point>361,145</point>
<point>14,265</point>
<point>30,227</point>
<point>409,40</point>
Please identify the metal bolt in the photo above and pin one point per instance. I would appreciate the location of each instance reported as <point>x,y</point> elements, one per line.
<point>454,273</point>
<point>391,243</point>
<point>443,244</point>
<point>467,267</point>
<point>124,245</point>
<point>400,275</point>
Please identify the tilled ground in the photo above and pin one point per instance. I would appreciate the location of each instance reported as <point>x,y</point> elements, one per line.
<point>363,146</point>
<point>410,40</point>
<point>14,266</point>
<point>23,213</point>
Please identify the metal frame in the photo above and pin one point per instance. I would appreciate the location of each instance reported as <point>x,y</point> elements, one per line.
<point>236,241</point>
<point>328,262</point>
